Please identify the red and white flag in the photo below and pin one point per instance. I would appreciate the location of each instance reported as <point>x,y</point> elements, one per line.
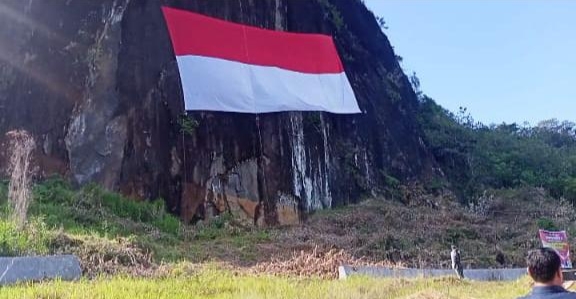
<point>231,67</point>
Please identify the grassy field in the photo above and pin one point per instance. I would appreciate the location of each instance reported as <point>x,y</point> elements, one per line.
<point>133,250</point>
<point>225,284</point>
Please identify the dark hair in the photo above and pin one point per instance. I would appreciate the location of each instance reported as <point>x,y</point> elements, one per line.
<point>543,263</point>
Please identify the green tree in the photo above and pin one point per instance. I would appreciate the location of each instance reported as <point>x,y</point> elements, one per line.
<point>475,157</point>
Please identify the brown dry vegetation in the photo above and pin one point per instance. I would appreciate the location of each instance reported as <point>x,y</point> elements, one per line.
<point>100,256</point>
<point>495,233</point>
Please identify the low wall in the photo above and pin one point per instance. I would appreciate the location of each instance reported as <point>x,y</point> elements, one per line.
<point>38,268</point>
<point>473,274</point>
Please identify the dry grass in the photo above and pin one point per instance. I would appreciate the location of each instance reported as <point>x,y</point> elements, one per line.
<point>315,263</point>
<point>100,256</point>
<point>19,189</point>
<point>419,233</point>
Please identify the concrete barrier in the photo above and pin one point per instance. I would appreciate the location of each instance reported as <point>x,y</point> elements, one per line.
<point>473,274</point>
<point>37,268</point>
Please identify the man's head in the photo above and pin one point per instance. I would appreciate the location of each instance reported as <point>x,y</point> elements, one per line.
<point>453,247</point>
<point>544,266</point>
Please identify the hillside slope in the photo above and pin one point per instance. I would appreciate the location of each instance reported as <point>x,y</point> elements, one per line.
<point>113,235</point>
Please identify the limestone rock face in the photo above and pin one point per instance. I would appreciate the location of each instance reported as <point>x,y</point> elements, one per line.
<point>97,84</point>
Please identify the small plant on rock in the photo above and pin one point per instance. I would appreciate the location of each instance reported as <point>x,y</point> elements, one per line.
<point>187,124</point>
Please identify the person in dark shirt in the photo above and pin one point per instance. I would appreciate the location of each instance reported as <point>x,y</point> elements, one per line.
<point>544,268</point>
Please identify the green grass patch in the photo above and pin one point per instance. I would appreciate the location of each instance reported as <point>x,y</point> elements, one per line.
<point>88,215</point>
<point>210,283</point>
<point>87,212</point>
<point>95,210</point>
<point>33,239</point>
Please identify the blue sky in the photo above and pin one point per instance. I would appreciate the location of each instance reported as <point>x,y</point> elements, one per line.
<point>506,60</point>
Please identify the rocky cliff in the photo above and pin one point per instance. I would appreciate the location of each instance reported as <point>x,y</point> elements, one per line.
<point>96,83</point>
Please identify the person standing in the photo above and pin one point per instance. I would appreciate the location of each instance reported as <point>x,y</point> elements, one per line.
<point>456,264</point>
<point>545,269</point>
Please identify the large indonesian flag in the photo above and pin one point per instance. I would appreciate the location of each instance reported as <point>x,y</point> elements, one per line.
<point>231,67</point>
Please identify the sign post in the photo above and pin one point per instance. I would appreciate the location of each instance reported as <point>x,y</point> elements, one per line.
<point>557,240</point>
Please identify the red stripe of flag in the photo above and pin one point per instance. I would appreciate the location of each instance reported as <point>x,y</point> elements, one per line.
<point>196,34</point>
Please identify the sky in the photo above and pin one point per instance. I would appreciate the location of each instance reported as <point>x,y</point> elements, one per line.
<point>504,60</point>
